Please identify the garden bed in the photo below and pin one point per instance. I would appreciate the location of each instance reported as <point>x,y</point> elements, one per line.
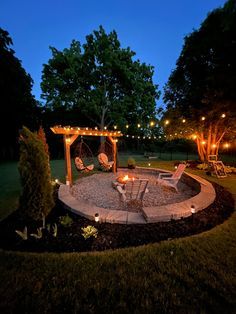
<point>109,236</point>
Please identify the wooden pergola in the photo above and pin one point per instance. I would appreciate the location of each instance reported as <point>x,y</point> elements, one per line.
<point>70,134</point>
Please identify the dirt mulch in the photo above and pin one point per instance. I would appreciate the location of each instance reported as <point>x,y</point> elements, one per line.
<point>110,236</point>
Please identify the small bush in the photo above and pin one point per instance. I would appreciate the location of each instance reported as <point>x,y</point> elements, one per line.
<point>89,231</point>
<point>131,163</point>
<point>66,221</point>
<point>202,166</point>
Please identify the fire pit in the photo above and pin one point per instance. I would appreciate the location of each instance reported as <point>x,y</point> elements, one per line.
<point>123,179</point>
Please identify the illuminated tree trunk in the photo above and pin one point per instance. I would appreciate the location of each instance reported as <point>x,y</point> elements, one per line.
<point>208,142</point>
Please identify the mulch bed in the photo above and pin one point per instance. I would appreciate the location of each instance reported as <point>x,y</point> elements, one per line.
<point>110,236</point>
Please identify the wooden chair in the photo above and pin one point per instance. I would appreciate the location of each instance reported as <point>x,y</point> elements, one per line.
<point>216,166</point>
<point>104,163</point>
<point>133,190</point>
<point>172,179</point>
<point>80,166</point>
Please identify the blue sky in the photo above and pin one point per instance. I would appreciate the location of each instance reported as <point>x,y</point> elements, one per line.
<point>153,29</point>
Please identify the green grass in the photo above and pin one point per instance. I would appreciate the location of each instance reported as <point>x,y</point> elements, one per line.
<point>196,274</point>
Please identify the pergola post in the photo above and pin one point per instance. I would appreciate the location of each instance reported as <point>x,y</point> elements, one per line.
<point>114,153</point>
<point>68,141</point>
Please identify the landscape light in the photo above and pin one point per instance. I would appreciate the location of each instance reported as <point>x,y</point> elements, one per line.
<point>96,217</point>
<point>193,209</point>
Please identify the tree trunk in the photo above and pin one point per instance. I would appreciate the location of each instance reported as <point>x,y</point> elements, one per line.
<point>211,146</point>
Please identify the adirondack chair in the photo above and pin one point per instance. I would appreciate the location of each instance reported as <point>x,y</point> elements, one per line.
<point>172,179</point>
<point>104,163</point>
<point>216,166</point>
<point>80,166</point>
<point>134,189</point>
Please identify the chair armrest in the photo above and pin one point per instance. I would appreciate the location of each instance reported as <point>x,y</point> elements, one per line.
<point>171,179</point>
<point>164,175</point>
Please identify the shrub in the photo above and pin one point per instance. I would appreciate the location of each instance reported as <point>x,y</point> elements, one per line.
<point>131,163</point>
<point>203,166</point>
<point>36,200</point>
<point>89,231</point>
<point>66,221</point>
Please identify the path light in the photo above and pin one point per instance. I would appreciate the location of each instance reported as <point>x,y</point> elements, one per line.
<point>96,217</point>
<point>193,209</point>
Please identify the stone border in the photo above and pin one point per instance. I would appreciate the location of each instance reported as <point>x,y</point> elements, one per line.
<point>203,199</point>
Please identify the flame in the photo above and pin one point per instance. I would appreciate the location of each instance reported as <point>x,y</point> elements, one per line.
<point>126,178</point>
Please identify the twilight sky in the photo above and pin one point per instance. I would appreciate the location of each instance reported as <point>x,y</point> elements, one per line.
<point>154,29</point>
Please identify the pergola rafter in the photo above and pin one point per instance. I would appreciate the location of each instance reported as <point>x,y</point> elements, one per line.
<point>70,134</point>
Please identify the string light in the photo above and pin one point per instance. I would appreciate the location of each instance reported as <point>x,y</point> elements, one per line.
<point>127,126</point>
<point>203,142</point>
<point>183,120</point>
<point>167,122</point>
<point>226,145</point>
<point>223,115</point>
<point>139,125</point>
<point>115,127</point>
<point>203,118</point>
<point>152,123</point>
<point>213,146</point>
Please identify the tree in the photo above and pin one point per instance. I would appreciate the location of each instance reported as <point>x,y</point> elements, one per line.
<point>201,92</point>
<point>18,106</point>
<point>102,80</point>
<point>36,200</point>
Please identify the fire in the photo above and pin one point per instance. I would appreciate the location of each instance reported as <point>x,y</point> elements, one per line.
<point>123,179</point>
<point>126,178</point>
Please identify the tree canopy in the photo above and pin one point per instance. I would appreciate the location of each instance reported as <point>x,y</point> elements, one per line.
<point>200,95</point>
<point>18,106</point>
<point>102,80</point>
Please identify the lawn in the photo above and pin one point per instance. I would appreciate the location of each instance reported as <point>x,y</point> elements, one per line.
<point>191,275</point>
